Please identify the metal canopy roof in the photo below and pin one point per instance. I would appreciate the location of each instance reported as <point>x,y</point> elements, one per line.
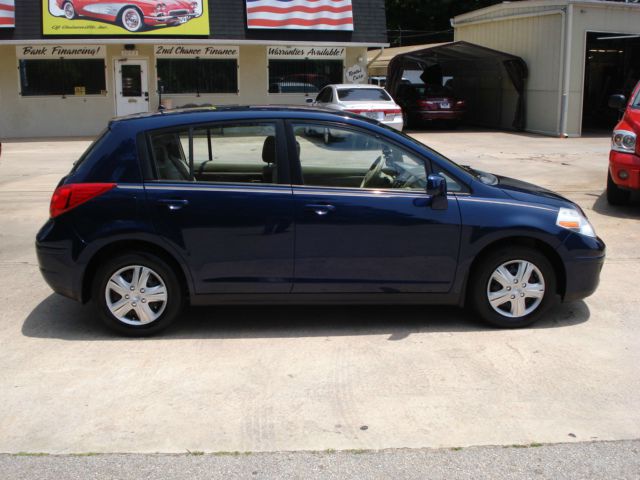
<point>478,73</point>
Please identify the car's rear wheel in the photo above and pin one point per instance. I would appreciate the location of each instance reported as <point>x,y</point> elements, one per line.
<point>69,11</point>
<point>512,287</point>
<point>131,19</point>
<point>137,294</point>
<point>615,194</point>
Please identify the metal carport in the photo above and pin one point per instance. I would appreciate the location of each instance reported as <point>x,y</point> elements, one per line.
<point>491,82</point>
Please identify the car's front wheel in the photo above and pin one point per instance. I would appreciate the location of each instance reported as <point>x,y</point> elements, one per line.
<point>137,294</point>
<point>131,19</point>
<point>69,11</point>
<point>615,194</point>
<point>512,287</point>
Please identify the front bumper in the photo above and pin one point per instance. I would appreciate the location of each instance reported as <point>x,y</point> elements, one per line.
<point>628,162</point>
<point>583,261</point>
<point>169,19</point>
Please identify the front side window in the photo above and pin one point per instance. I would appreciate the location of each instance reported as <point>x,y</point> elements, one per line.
<point>198,76</point>
<point>245,153</point>
<point>303,76</point>
<point>340,157</point>
<point>62,77</point>
<point>636,101</point>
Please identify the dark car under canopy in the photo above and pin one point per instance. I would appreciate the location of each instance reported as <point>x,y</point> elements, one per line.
<point>491,82</point>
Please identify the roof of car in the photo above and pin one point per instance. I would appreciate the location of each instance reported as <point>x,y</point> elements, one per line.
<point>171,117</point>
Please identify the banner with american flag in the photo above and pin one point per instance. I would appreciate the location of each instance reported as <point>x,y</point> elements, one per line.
<point>7,13</point>
<point>300,14</point>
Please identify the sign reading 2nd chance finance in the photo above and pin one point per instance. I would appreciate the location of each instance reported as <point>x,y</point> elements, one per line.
<point>135,17</point>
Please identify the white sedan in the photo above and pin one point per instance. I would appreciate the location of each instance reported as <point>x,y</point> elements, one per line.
<point>367,100</point>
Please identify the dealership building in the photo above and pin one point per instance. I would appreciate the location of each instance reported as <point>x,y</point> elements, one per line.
<point>68,66</point>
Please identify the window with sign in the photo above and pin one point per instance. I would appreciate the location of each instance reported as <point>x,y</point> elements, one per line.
<point>303,76</point>
<point>198,75</point>
<point>62,77</point>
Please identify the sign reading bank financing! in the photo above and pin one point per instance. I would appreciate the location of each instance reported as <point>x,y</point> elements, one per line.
<point>134,17</point>
<point>7,14</point>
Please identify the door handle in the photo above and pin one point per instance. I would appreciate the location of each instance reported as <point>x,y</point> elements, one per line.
<point>173,203</point>
<point>320,209</point>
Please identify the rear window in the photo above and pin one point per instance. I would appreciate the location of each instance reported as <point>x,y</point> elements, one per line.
<point>363,95</point>
<point>94,145</point>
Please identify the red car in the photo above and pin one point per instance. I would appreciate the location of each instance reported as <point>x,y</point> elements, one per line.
<point>624,159</point>
<point>427,103</point>
<point>132,15</point>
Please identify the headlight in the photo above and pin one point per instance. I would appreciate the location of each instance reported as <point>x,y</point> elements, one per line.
<point>623,141</point>
<point>575,221</point>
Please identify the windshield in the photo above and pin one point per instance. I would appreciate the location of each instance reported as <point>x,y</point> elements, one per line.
<point>484,177</point>
<point>363,95</point>
<point>636,101</point>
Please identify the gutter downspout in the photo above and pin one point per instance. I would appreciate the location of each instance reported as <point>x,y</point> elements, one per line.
<point>566,71</point>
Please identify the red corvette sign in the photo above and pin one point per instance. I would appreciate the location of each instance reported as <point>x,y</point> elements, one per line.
<point>138,17</point>
<point>7,14</point>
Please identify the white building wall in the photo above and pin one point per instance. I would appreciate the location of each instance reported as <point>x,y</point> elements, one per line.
<point>73,116</point>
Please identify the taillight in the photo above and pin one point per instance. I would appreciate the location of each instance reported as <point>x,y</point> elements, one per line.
<point>460,103</point>
<point>67,197</point>
<point>393,111</point>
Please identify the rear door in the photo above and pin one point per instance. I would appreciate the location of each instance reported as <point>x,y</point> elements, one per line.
<point>364,222</point>
<point>221,196</point>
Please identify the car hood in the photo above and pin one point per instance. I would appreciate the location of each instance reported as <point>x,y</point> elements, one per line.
<point>528,192</point>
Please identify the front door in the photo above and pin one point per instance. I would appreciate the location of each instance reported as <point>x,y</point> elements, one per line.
<point>132,86</point>
<point>364,222</point>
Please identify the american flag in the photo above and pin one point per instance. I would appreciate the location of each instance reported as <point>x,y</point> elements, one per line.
<point>7,13</point>
<point>300,14</point>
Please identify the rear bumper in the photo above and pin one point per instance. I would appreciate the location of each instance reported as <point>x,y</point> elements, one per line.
<point>451,115</point>
<point>397,124</point>
<point>629,163</point>
<point>54,250</point>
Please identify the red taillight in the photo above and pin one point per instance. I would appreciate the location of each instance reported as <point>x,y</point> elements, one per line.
<point>393,111</point>
<point>460,103</point>
<point>67,197</point>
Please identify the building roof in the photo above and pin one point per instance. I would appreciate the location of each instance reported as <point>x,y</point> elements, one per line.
<point>531,7</point>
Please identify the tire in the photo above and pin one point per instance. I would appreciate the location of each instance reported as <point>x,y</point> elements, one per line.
<point>69,11</point>
<point>615,194</point>
<point>138,314</point>
<point>535,297</point>
<point>131,19</point>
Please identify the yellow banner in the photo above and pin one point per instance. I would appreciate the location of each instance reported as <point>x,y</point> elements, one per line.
<point>135,17</point>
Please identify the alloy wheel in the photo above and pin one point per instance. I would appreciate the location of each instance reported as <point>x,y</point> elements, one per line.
<point>516,288</point>
<point>136,295</point>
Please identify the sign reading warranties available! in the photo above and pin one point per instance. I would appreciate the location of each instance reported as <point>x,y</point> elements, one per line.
<point>135,17</point>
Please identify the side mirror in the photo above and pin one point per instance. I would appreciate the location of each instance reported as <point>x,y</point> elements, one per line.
<point>437,190</point>
<point>618,102</point>
<point>309,100</point>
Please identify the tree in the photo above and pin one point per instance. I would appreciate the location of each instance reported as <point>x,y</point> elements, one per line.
<point>411,22</point>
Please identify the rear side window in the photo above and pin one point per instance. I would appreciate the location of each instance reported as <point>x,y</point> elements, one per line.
<point>363,95</point>
<point>245,153</point>
<point>92,148</point>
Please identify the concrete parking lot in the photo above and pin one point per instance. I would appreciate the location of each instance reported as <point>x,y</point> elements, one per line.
<point>261,379</point>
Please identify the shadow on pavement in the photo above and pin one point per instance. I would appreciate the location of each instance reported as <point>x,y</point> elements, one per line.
<point>632,210</point>
<point>58,317</point>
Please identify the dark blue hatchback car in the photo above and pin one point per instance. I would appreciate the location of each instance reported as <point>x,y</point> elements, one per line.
<point>294,205</point>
